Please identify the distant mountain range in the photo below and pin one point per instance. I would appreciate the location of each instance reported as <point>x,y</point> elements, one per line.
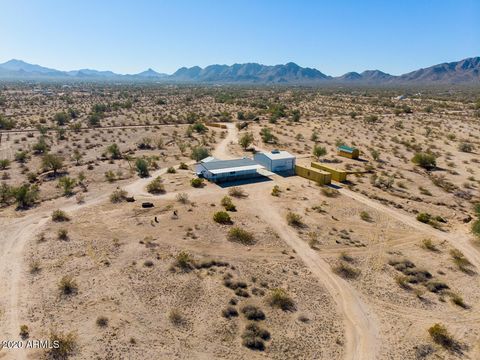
<point>465,71</point>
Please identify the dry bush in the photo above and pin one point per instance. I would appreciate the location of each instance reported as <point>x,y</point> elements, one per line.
<point>294,219</point>
<point>252,312</point>
<point>254,337</point>
<point>228,204</point>
<point>68,285</point>
<point>156,186</point>
<point>440,335</point>
<point>67,344</point>
<point>237,192</point>
<point>59,216</point>
<point>182,198</point>
<point>222,217</point>
<point>102,321</point>
<point>280,299</point>
<point>176,317</point>
<point>118,196</point>
<point>241,236</point>
<point>346,271</point>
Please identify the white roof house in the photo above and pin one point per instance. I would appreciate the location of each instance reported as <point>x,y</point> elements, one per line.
<point>227,170</point>
<point>276,161</point>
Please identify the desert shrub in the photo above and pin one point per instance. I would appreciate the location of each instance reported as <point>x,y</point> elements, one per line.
<point>346,271</point>
<point>199,153</point>
<point>436,286</point>
<point>424,217</point>
<point>294,219</point>
<point>319,151</point>
<point>196,182</point>
<point>246,140</point>
<point>176,317</point>
<point>237,192</point>
<point>110,176</point>
<point>68,285</point>
<point>24,332</point>
<point>4,164</point>
<point>52,162</point>
<point>228,204</point>
<point>171,170</point>
<point>241,236</point>
<point>118,196</point>
<point>476,228</point>
<point>60,216</point>
<point>184,261</point>
<point>429,245</point>
<point>465,147</point>
<point>425,160</point>
<point>276,191</point>
<point>229,312</point>
<point>183,166</point>
<point>254,337</point>
<point>458,300</point>
<point>141,166</point>
<point>253,313</point>
<point>67,184</point>
<point>329,192</point>
<point>25,195</point>
<point>280,299</point>
<point>460,260</point>
<point>156,186</point>
<point>102,321</point>
<point>182,198</point>
<point>114,151</point>
<point>440,335</point>
<point>67,344</point>
<point>365,216</point>
<point>242,293</point>
<point>222,217</point>
<point>403,282</point>
<point>62,234</point>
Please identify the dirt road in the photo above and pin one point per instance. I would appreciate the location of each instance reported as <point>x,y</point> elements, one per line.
<point>457,240</point>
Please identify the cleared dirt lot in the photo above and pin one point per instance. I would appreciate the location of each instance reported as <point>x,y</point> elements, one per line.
<point>362,277</point>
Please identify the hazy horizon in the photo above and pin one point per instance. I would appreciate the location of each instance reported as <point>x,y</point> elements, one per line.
<point>333,38</point>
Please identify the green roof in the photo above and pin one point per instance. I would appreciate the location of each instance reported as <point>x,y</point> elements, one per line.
<point>346,148</point>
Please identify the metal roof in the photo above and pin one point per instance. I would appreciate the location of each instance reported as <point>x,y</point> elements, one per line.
<point>227,164</point>
<point>346,148</point>
<point>208,159</point>
<point>276,155</point>
<point>235,169</point>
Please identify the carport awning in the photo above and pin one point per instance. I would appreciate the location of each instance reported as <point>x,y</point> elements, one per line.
<point>236,169</point>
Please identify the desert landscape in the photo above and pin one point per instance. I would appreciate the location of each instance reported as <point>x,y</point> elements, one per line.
<point>112,246</point>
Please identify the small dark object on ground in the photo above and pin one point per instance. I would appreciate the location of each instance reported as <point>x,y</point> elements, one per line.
<point>147,205</point>
<point>130,199</point>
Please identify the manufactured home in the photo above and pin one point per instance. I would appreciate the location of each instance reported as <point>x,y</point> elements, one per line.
<point>276,161</point>
<point>227,170</point>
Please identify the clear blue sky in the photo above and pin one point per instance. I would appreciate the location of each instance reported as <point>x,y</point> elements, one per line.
<point>395,36</point>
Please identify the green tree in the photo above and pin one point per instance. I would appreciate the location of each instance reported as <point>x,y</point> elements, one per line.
<point>296,115</point>
<point>246,140</point>
<point>77,156</point>
<point>142,168</point>
<point>199,153</point>
<point>319,151</point>
<point>52,162</point>
<point>25,195</point>
<point>425,160</point>
<point>61,118</point>
<point>114,151</point>
<point>4,164</point>
<point>267,136</point>
<point>67,184</point>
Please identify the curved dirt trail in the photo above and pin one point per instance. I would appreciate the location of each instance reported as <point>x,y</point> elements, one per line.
<point>457,240</point>
<point>361,328</point>
<point>221,150</point>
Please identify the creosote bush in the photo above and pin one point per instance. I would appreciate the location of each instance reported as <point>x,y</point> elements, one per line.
<point>68,285</point>
<point>241,236</point>
<point>228,204</point>
<point>279,298</point>
<point>67,344</point>
<point>60,216</point>
<point>222,217</point>
<point>156,186</point>
<point>237,192</point>
<point>294,219</point>
<point>196,182</point>
<point>118,196</point>
<point>346,271</point>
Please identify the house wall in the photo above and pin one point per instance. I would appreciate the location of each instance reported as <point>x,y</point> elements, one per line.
<point>337,175</point>
<point>263,160</point>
